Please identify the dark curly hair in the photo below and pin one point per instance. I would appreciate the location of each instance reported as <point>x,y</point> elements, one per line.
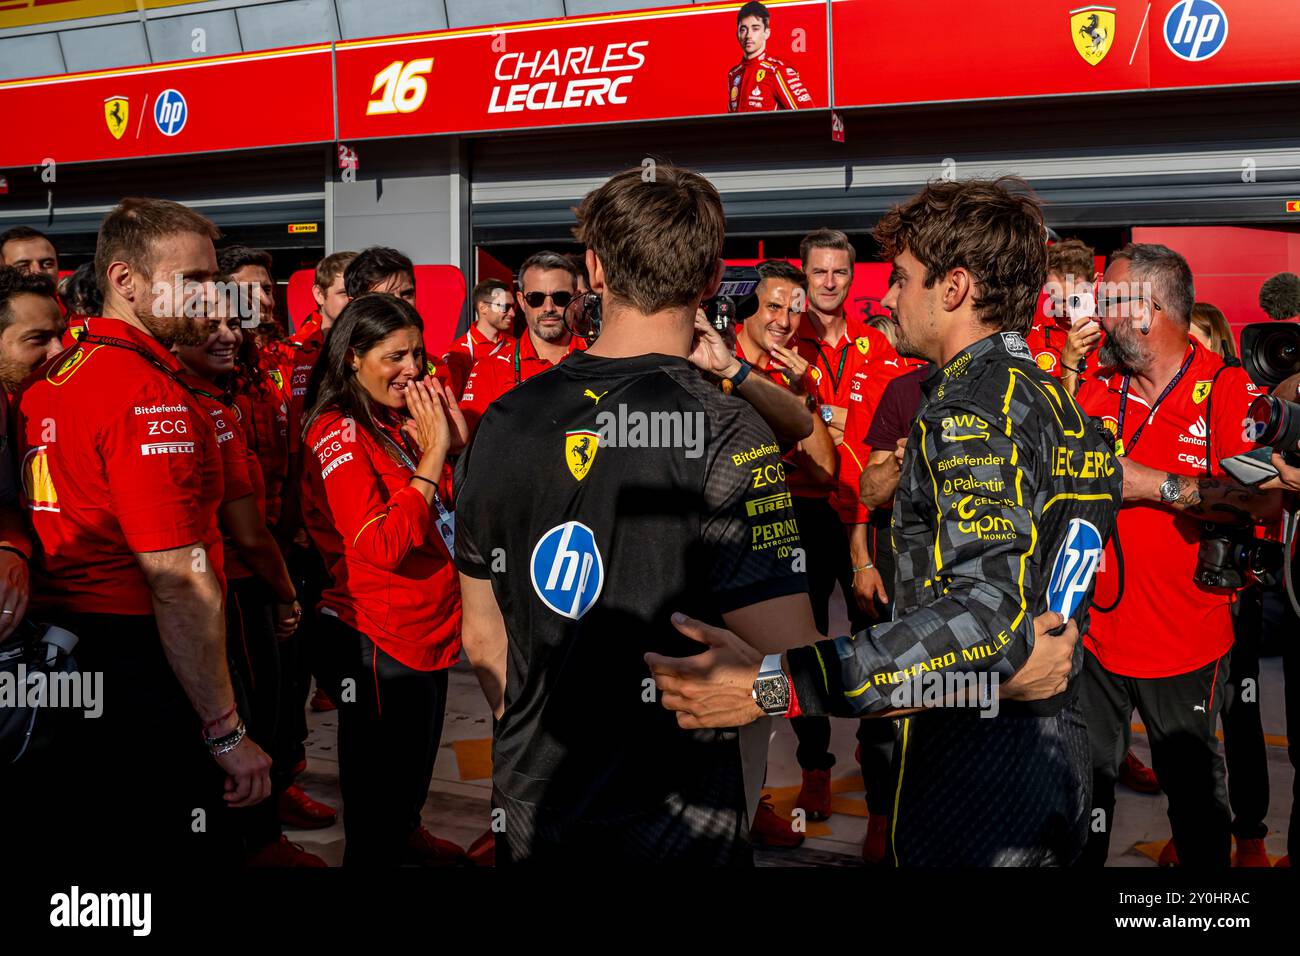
<point>993,228</point>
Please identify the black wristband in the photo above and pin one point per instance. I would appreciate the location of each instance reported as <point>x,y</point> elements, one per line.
<point>741,375</point>
<point>9,547</point>
<point>428,481</point>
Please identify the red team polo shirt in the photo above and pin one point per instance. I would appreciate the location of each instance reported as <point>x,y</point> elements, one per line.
<point>1166,623</point>
<point>797,481</point>
<point>860,354</point>
<point>501,371</point>
<point>393,577</point>
<point>765,83</point>
<point>262,411</point>
<point>467,351</point>
<point>865,390</point>
<point>117,458</point>
<point>308,343</point>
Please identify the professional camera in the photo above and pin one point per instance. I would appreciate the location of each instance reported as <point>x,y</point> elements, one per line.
<point>723,311</point>
<point>1270,352</point>
<point>582,316</point>
<point>1232,557</point>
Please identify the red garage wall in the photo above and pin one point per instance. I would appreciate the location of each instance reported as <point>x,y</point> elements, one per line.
<point>1230,263</point>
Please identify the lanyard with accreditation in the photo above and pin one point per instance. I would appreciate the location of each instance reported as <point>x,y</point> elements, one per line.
<point>1122,448</point>
<point>446,520</point>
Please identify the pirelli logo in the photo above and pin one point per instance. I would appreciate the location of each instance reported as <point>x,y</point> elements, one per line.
<point>765,506</point>
<point>168,448</point>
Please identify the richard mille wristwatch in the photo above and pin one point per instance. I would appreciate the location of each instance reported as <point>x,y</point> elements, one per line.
<point>828,414</point>
<point>771,688</point>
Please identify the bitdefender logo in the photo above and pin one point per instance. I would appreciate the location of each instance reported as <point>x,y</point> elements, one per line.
<point>1196,30</point>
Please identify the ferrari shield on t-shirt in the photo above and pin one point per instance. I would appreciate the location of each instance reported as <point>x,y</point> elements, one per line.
<point>599,498</point>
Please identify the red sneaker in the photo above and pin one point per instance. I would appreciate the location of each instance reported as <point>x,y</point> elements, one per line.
<point>815,794</point>
<point>770,830</point>
<point>873,847</point>
<point>1169,855</point>
<point>483,851</point>
<point>1251,853</point>
<point>1137,776</point>
<point>321,702</point>
<point>282,853</point>
<point>1284,863</point>
<point>425,849</point>
<point>301,812</point>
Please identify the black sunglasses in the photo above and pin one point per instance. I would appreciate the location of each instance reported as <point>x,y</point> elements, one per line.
<point>561,299</point>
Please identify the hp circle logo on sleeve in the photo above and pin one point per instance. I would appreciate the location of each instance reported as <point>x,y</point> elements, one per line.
<point>170,112</point>
<point>1074,567</point>
<point>566,569</point>
<point>1195,30</point>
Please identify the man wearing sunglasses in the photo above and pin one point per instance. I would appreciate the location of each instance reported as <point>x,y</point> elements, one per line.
<point>547,283</point>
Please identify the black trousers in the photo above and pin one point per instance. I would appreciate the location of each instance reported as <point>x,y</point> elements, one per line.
<point>826,546</point>
<point>134,787</point>
<point>390,725</point>
<point>254,655</point>
<point>979,792</point>
<point>1244,750</point>
<point>1291,677</point>
<point>302,656</point>
<point>1180,714</point>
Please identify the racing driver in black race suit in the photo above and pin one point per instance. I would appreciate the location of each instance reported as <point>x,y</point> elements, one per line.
<point>1007,496</point>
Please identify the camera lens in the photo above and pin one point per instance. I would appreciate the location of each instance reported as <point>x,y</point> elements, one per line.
<point>1275,422</point>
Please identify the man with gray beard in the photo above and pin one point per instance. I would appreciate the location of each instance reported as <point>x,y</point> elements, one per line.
<point>1160,637</point>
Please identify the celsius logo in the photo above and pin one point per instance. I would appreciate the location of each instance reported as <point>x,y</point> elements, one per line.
<point>1074,567</point>
<point>170,112</point>
<point>1195,30</point>
<point>566,569</point>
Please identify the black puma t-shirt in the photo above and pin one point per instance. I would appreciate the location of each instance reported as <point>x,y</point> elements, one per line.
<point>599,497</point>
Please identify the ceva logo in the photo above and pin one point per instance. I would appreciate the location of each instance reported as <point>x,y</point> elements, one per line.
<point>566,569</point>
<point>1196,30</point>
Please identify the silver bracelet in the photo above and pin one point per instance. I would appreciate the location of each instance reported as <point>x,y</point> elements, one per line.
<point>220,746</point>
<point>866,567</point>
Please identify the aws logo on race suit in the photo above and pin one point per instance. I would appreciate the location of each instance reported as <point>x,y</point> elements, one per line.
<point>1074,567</point>
<point>566,569</point>
<point>965,427</point>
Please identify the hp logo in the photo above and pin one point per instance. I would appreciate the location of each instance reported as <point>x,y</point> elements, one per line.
<point>1195,30</point>
<point>170,112</point>
<point>566,569</point>
<point>1074,567</point>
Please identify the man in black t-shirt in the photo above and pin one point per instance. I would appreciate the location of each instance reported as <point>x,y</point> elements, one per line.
<point>595,500</point>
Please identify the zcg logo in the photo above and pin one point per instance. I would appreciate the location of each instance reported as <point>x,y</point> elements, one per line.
<point>566,569</point>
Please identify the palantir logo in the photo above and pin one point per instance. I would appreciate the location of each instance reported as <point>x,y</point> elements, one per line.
<point>566,569</point>
<point>170,112</point>
<point>1195,30</point>
<point>1074,567</point>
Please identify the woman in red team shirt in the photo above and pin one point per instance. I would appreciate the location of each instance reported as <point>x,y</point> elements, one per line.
<point>261,603</point>
<point>375,494</point>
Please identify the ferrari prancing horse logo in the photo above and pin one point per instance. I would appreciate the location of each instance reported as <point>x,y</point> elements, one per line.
<point>580,449</point>
<point>1093,31</point>
<point>116,111</point>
